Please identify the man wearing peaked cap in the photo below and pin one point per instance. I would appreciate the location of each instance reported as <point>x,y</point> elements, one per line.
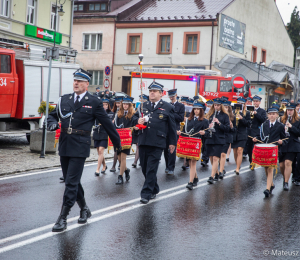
<point>160,130</point>
<point>179,109</point>
<point>77,112</point>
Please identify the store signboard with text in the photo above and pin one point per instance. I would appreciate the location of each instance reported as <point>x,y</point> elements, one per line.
<point>42,34</point>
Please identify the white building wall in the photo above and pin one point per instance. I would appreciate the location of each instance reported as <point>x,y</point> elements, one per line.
<point>264,29</point>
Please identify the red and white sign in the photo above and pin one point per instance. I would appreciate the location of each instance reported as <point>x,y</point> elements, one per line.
<point>144,85</point>
<point>106,83</point>
<point>238,81</point>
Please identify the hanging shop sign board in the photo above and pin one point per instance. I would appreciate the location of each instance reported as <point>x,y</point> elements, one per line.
<point>42,34</point>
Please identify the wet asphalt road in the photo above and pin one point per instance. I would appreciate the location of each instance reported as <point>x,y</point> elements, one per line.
<point>227,220</point>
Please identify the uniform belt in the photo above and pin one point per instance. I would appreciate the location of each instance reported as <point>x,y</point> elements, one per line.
<point>75,131</point>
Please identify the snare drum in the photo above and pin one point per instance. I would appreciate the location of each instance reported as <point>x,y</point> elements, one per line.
<point>265,155</point>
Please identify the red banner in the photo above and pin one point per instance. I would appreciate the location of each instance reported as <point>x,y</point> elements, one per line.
<point>265,155</point>
<point>188,147</point>
<point>125,136</point>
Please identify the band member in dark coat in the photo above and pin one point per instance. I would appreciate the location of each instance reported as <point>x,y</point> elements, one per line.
<point>125,119</point>
<point>100,138</point>
<point>77,113</point>
<point>179,109</point>
<point>245,151</point>
<point>196,123</point>
<point>219,121</point>
<point>260,116</point>
<point>291,149</point>
<point>240,136</point>
<point>160,126</point>
<point>271,131</point>
<point>116,107</point>
<point>135,133</point>
<point>228,138</point>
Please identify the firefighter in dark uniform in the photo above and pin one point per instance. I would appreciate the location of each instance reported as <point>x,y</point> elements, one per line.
<point>160,130</point>
<point>170,158</point>
<point>204,157</point>
<point>77,113</point>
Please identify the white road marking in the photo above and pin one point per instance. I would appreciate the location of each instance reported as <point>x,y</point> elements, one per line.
<point>96,219</point>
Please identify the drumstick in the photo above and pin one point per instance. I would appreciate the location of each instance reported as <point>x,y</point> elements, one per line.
<point>281,140</point>
<point>256,139</point>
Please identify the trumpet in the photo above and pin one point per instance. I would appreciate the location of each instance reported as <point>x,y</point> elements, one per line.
<point>252,115</point>
<point>282,108</point>
<point>182,124</point>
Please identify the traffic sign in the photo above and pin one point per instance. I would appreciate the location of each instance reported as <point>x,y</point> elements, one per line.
<point>238,81</point>
<point>106,83</point>
<point>107,70</point>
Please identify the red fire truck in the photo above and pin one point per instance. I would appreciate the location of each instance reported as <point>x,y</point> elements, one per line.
<point>23,85</point>
<point>188,82</point>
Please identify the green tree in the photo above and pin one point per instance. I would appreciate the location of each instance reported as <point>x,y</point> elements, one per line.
<point>294,29</point>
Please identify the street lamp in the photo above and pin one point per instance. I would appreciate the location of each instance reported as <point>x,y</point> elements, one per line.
<point>263,64</point>
<point>52,52</point>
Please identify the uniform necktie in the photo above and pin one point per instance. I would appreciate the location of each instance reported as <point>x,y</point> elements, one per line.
<point>195,118</point>
<point>77,100</point>
<point>272,126</point>
<point>152,105</point>
<point>125,113</point>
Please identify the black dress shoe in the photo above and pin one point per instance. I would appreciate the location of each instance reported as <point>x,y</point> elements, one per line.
<point>166,170</point>
<point>85,212</point>
<point>112,170</point>
<point>237,173</point>
<point>272,188</point>
<point>127,176</point>
<point>133,165</point>
<point>62,178</point>
<point>103,171</point>
<point>286,186</point>
<point>183,168</point>
<point>216,177</point>
<point>189,186</point>
<point>61,223</point>
<point>195,182</point>
<point>224,172</point>
<point>120,180</point>
<point>267,193</point>
<point>210,180</point>
<point>227,159</point>
<point>204,163</point>
<point>153,196</point>
<point>221,175</point>
<point>144,201</point>
<point>297,183</point>
<point>97,173</point>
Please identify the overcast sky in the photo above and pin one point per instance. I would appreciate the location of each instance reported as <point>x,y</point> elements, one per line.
<point>286,8</point>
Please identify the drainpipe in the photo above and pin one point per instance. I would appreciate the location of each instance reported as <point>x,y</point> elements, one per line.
<point>212,42</point>
<point>113,56</point>
<point>71,28</point>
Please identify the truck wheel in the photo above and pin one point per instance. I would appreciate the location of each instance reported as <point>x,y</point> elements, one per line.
<point>28,137</point>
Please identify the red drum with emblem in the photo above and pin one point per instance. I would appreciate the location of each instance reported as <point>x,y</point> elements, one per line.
<point>125,136</point>
<point>189,147</point>
<point>265,155</point>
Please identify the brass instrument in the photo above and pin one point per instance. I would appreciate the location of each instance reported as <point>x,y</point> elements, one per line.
<point>252,115</point>
<point>282,108</point>
<point>182,124</point>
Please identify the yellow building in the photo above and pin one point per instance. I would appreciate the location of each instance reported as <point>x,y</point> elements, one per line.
<point>33,22</point>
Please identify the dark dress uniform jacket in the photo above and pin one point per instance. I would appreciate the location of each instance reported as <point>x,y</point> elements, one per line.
<point>161,125</point>
<point>196,125</point>
<point>293,143</point>
<point>99,132</point>
<point>219,136</point>
<point>83,118</point>
<point>256,122</point>
<point>229,135</point>
<point>179,110</point>
<point>240,133</point>
<point>127,122</point>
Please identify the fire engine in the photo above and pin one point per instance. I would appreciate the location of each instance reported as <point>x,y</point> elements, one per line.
<point>188,82</point>
<point>23,85</point>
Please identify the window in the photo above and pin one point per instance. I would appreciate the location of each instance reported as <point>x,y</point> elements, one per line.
<point>53,22</point>
<point>164,43</point>
<point>263,55</point>
<point>191,42</point>
<point>97,78</point>
<point>211,85</point>
<point>5,64</point>
<point>225,86</point>
<point>92,41</point>
<point>4,7</point>
<point>134,43</point>
<point>253,54</point>
<point>31,11</point>
<point>97,7</point>
<point>78,7</point>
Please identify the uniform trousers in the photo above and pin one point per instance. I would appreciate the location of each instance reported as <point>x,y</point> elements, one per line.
<point>170,158</point>
<point>250,149</point>
<point>149,158</point>
<point>72,168</point>
<point>205,158</point>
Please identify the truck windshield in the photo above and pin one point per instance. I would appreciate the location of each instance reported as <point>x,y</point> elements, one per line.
<point>5,63</point>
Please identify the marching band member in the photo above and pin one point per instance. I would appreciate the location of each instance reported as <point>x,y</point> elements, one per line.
<point>179,109</point>
<point>245,151</point>
<point>298,108</point>
<point>100,138</point>
<point>291,149</point>
<point>219,125</point>
<point>260,116</point>
<point>228,138</point>
<point>125,119</point>
<point>135,133</point>
<point>271,131</point>
<point>117,105</point>
<point>194,124</point>
<point>241,122</point>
